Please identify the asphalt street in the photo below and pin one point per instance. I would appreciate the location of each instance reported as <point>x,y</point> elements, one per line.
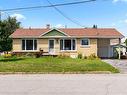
<point>64,84</point>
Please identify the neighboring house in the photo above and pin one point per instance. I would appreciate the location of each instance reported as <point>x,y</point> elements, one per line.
<point>68,41</point>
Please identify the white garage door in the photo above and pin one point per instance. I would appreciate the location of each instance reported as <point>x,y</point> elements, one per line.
<point>103,52</point>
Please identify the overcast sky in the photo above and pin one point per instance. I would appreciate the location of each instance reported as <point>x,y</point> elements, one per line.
<point>104,13</point>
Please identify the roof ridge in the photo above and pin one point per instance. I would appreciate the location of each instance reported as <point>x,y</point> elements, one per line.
<point>61,28</point>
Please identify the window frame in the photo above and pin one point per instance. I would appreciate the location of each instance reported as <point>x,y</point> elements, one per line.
<point>63,47</point>
<point>34,49</point>
<point>85,45</point>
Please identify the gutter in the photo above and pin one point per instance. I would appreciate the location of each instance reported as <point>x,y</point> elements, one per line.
<point>110,37</point>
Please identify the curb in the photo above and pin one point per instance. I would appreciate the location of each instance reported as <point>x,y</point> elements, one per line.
<point>91,72</point>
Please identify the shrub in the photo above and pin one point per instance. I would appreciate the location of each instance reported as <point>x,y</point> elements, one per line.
<point>63,56</point>
<point>80,56</point>
<point>27,54</point>
<point>92,56</point>
<point>37,55</point>
<point>17,54</point>
<point>85,57</point>
<point>7,55</point>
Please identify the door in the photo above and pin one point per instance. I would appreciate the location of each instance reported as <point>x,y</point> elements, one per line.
<point>51,46</point>
<point>103,48</point>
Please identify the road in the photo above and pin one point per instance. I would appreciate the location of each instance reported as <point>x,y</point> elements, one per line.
<point>60,84</point>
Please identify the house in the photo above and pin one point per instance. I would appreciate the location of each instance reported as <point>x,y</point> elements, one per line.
<point>68,41</point>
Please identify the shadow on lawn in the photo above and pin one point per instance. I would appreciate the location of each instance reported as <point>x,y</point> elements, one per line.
<point>11,59</point>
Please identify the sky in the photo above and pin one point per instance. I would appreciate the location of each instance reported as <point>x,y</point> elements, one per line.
<point>104,13</point>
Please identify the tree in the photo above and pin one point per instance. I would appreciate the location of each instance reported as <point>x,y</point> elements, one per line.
<point>126,42</point>
<point>94,26</point>
<point>7,27</point>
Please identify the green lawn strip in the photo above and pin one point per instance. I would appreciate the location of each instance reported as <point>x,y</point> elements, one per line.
<point>53,64</point>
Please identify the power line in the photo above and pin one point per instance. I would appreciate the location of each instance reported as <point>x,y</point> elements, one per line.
<point>65,16</point>
<point>53,5</point>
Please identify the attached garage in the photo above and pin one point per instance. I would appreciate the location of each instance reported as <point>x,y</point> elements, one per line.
<point>104,48</point>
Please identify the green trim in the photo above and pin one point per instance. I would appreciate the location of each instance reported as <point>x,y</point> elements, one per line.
<point>54,32</point>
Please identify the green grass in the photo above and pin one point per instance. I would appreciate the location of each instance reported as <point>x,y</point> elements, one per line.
<point>53,64</point>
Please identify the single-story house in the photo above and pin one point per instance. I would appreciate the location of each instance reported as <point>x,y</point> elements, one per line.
<point>68,41</point>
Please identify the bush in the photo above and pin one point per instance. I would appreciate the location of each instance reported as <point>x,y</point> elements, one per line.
<point>92,56</point>
<point>7,55</point>
<point>80,56</point>
<point>37,55</point>
<point>28,55</point>
<point>63,56</point>
<point>85,57</point>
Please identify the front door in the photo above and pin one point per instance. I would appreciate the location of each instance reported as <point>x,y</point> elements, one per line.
<point>51,46</point>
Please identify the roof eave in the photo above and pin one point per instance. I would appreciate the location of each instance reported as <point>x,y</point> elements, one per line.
<point>25,37</point>
<point>110,37</point>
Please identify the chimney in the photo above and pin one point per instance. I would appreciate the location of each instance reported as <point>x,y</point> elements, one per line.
<point>29,27</point>
<point>48,26</point>
<point>65,26</point>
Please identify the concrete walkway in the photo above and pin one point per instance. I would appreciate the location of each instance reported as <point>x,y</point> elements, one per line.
<point>120,64</point>
<point>80,84</point>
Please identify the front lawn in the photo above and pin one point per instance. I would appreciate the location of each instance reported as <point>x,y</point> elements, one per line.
<point>53,64</point>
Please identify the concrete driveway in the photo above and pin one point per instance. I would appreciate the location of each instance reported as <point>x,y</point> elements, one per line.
<point>59,84</point>
<point>120,64</point>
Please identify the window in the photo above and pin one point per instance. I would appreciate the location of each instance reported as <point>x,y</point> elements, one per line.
<point>67,44</point>
<point>85,42</point>
<point>61,45</point>
<point>73,44</point>
<point>35,44</point>
<point>23,44</point>
<point>29,44</point>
